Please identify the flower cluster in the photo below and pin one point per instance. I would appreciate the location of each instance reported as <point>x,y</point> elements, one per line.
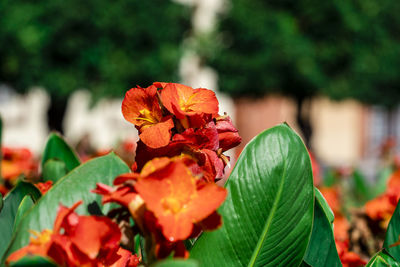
<point>168,202</point>
<point>174,119</point>
<point>382,207</point>
<point>172,195</point>
<point>79,241</point>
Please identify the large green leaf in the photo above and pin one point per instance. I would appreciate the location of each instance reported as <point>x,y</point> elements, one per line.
<point>176,263</point>
<point>57,148</point>
<point>321,250</point>
<point>267,216</point>
<point>73,187</point>
<point>392,234</point>
<point>382,259</point>
<point>9,211</point>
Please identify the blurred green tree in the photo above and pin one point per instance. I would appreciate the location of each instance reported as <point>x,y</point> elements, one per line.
<point>309,47</point>
<point>106,47</point>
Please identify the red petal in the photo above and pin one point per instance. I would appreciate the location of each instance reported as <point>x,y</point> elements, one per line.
<point>158,135</point>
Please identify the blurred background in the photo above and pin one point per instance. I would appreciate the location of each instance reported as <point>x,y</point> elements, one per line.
<point>328,68</point>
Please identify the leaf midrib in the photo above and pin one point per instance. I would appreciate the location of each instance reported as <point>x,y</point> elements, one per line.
<point>269,220</point>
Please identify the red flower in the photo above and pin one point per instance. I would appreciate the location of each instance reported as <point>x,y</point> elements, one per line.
<point>44,187</point>
<point>140,107</point>
<point>227,133</point>
<point>348,258</point>
<point>182,100</point>
<point>16,161</point>
<point>176,197</point>
<point>85,240</point>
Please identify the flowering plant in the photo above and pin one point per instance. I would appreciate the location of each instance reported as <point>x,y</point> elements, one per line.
<point>167,209</point>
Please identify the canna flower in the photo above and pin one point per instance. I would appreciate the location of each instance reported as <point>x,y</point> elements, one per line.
<point>85,241</point>
<point>141,107</point>
<point>176,197</point>
<point>44,187</point>
<point>228,135</point>
<point>182,100</point>
<point>17,161</point>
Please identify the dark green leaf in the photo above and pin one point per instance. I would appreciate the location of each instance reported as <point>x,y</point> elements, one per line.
<point>9,211</point>
<point>382,259</point>
<point>176,263</point>
<point>57,148</point>
<point>1,202</point>
<point>26,204</point>
<point>267,216</point>
<point>324,204</point>
<point>53,170</point>
<point>361,188</point>
<point>321,250</point>
<point>32,261</point>
<point>392,234</point>
<point>73,187</point>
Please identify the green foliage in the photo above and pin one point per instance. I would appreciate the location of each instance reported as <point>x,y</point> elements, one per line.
<point>270,202</point>
<point>9,212</point>
<point>393,234</point>
<point>382,259</point>
<point>104,46</point>
<point>53,170</point>
<point>176,263</point>
<point>307,47</point>
<point>321,250</point>
<point>56,148</point>
<point>73,187</point>
<point>33,261</point>
<point>26,203</point>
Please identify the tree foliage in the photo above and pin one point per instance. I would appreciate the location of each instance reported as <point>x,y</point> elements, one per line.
<point>302,48</point>
<point>96,44</point>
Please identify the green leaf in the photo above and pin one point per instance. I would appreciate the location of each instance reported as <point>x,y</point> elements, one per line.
<point>26,204</point>
<point>321,249</point>
<point>176,263</point>
<point>361,187</point>
<point>8,213</point>
<point>1,202</point>
<point>382,259</point>
<point>324,204</point>
<point>33,261</point>
<point>57,148</point>
<point>73,187</point>
<point>381,184</point>
<point>392,234</point>
<point>53,170</point>
<point>267,216</point>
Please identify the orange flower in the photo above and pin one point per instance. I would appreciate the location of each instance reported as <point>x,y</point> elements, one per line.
<point>17,161</point>
<point>348,258</point>
<point>182,100</point>
<point>176,197</point>
<point>86,240</point>
<point>44,187</point>
<point>141,107</point>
